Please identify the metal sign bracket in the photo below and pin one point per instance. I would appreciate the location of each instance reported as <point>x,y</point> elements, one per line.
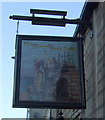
<point>50,21</point>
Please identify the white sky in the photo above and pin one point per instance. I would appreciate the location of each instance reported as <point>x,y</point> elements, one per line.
<point>7,36</point>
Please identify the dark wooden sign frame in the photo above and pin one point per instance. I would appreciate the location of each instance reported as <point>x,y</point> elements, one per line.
<point>49,72</point>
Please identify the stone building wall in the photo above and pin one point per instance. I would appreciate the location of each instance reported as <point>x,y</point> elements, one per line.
<point>94,64</point>
<point>94,67</point>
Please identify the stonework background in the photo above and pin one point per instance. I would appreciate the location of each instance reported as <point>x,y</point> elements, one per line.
<point>94,59</point>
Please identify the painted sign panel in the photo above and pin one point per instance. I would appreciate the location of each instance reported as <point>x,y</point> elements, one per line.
<point>49,72</point>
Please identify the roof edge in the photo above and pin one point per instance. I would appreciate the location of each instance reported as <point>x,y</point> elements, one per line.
<point>86,14</point>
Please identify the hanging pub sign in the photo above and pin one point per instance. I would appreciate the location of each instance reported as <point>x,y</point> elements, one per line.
<point>49,72</point>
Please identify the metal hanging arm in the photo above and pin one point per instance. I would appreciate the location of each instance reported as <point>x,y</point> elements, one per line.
<point>66,21</point>
<point>50,21</point>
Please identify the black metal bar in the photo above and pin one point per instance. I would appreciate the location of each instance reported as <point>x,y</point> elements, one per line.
<point>50,21</point>
<point>40,20</point>
<point>50,12</point>
<point>77,21</point>
<point>17,17</point>
<point>50,114</point>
